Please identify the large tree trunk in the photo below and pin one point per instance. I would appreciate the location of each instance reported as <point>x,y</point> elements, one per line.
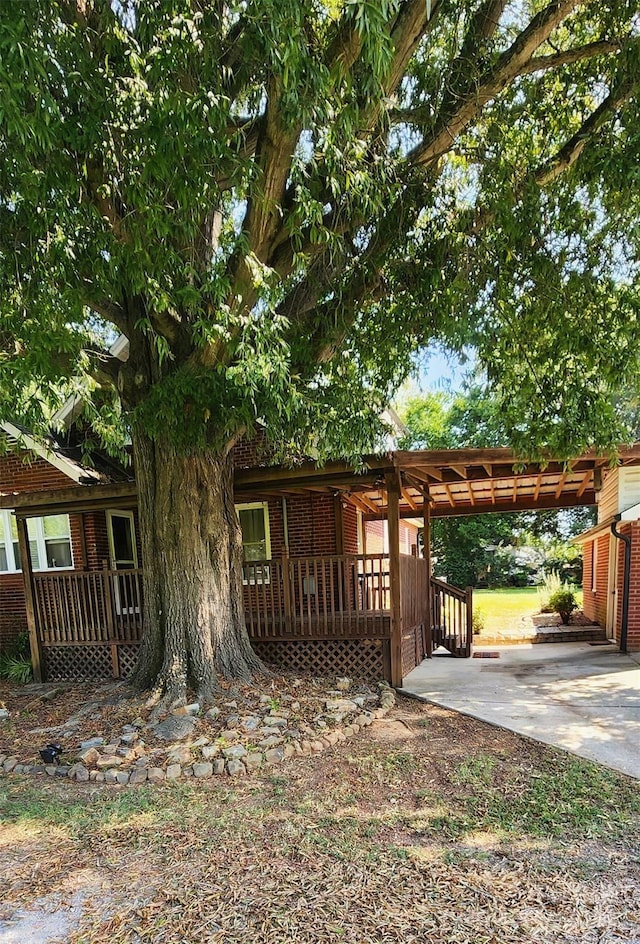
<point>192,557</point>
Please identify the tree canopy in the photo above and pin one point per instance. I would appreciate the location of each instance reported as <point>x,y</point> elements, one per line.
<point>277,203</point>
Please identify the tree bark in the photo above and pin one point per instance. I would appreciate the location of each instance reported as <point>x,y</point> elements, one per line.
<point>194,628</point>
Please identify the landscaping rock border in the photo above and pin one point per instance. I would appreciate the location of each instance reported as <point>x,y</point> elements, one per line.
<point>130,762</point>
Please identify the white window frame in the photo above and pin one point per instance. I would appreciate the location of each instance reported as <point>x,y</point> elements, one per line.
<point>8,544</point>
<point>266,571</point>
<point>110,513</point>
<point>41,544</point>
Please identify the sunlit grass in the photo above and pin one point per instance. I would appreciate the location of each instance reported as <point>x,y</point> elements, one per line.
<point>505,607</point>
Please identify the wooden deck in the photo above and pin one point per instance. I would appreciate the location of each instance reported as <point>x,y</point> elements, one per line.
<point>337,608</point>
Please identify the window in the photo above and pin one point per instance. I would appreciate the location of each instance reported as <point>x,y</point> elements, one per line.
<point>254,523</point>
<point>256,541</point>
<point>49,543</point>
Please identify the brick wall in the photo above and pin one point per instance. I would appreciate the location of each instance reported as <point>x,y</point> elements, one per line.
<point>633,634</point>
<point>249,453</point>
<point>311,525</point>
<point>595,603</point>
<point>350,530</point>
<point>377,542</point>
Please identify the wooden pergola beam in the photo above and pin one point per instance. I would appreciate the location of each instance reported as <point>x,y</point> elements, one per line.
<point>583,483</point>
<point>409,500</point>
<point>440,509</point>
<point>560,486</point>
<point>69,500</point>
<point>538,487</point>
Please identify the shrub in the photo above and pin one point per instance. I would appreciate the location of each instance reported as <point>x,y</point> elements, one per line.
<point>563,601</point>
<point>15,664</point>
<point>16,669</point>
<point>478,621</point>
<point>551,584</point>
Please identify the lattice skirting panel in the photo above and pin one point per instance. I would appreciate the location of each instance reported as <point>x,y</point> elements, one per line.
<point>127,658</point>
<point>76,663</point>
<point>79,663</point>
<point>361,658</point>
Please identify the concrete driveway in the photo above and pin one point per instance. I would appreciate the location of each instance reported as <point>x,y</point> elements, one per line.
<point>585,699</point>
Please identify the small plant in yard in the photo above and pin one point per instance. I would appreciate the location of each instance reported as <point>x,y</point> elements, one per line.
<point>563,601</point>
<point>478,621</point>
<point>16,669</point>
<point>15,664</point>
<point>552,583</point>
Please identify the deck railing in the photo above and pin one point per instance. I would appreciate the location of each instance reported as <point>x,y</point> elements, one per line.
<point>452,617</point>
<point>88,606</point>
<point>314,597</point>
<point>331,595</point>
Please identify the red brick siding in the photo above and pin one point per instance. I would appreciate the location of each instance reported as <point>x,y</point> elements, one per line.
<point>350,529</point>
<point>595,604</point>
<point>95,529</point>
<point>377,541</point>
<point>249,453</point>
<point>633,634</point>
<point>311,525</point>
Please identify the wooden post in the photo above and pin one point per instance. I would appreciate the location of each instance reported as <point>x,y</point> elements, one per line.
<point>426,543</point>
<point>469,639</point>
<point>286,589</point>
<point>109,613</point>
<point>393,518</point>
<point>27,575</point>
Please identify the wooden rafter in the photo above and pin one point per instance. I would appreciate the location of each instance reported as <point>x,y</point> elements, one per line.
<point>357,503</point>
<point>409,500</point>
<point>537,488</point>
<point>563,479</point>
<point>583,484</point>
<point>431,472</point>
<point>449,495</point>
<point>368,502</point>
<point>460,470</point>
<point>472,497</point>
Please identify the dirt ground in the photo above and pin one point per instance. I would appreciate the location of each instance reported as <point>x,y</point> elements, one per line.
<point>427,827</point>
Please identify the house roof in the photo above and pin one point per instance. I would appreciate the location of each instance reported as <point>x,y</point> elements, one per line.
<point>49,450</point>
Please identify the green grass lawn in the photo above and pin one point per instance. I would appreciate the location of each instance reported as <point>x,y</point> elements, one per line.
<point>503,608</point>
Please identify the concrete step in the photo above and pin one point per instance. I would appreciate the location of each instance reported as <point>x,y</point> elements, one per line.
<point>544,634</point>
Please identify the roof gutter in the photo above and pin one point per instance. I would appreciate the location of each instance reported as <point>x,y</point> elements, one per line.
<point>624,629</point>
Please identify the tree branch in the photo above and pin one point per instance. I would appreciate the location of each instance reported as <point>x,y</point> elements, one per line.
<point>603,47</point>
<point>460,108</point>
<point>109,310</point>
<point>566,157</point>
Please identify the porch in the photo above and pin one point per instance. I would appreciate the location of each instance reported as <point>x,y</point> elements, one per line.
<point>331,613</point>
<point>362,614</point>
